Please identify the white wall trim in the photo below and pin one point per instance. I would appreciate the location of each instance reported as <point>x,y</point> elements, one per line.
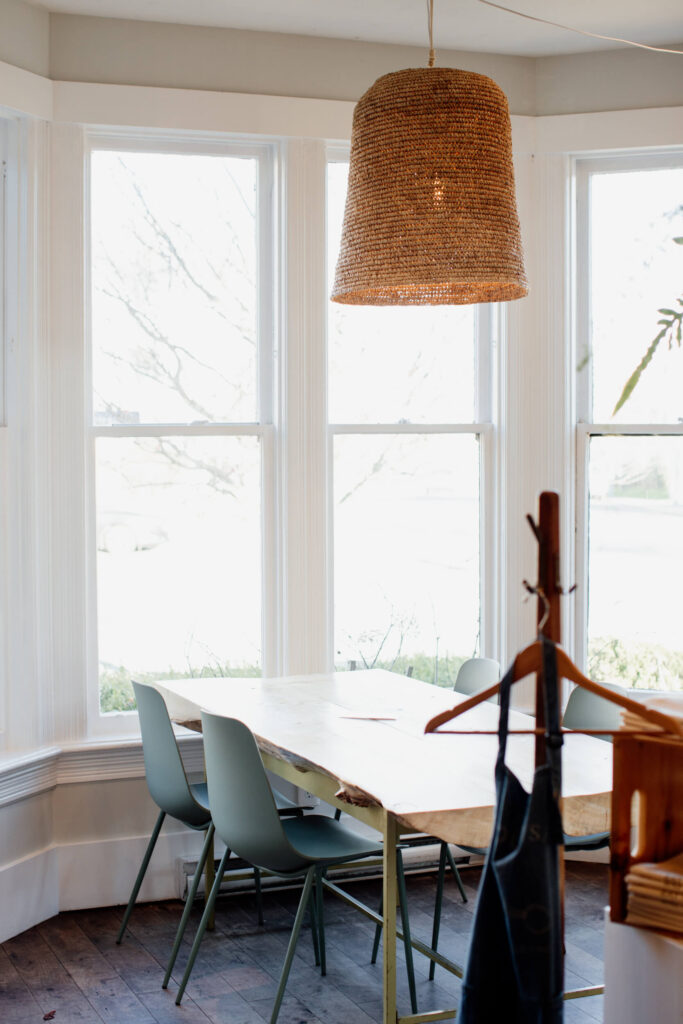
<point>24,92</point>
<point>607,131</point>
<point>99,872</point>
<point>26,775</point>
<point>29,892</point>
<point>194,110</point>
<point>94,873</point>
<point>306,641</point>
<point>277,116</point>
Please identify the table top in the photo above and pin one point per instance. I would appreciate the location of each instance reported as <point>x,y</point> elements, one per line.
<point>365,730</point>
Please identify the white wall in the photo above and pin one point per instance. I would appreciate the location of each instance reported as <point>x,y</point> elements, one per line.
<point>628,79</point>
<point>84,49</point>
<point>74,824</point>
<point>25,36</point>
<point>110,50</point>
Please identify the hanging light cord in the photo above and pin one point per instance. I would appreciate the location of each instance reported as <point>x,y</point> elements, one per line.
<point>581,31</point>
<point>430,26</point>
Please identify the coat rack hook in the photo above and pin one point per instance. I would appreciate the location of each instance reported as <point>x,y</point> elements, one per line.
<point>534,528</point>
<point>540,593</point>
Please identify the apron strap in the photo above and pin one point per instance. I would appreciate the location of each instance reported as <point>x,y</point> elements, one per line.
<point>504,692</point>
<point>551,703</point>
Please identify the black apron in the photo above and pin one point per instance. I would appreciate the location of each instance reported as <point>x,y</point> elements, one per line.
<point>514,970</point>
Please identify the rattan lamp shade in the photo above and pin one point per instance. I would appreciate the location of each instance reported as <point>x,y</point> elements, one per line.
<point>431,216</point>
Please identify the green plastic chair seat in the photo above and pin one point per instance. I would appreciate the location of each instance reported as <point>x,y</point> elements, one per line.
<point>321,840</point>
<point>200,792</point>
<point>594,841</point>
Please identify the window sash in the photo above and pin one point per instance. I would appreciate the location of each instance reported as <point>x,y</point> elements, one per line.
<point>486,351</point>
<point>584,169</point>
<point>263,428</point>
<point>586,428</point>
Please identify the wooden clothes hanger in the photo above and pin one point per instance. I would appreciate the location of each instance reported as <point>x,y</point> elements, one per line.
<point>531,660</point>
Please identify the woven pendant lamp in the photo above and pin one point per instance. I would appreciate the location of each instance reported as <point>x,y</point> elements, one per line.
<point>431,216</point>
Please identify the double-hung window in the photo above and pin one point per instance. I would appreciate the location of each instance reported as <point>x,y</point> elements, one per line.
<point>630,292</point>
<point>409,392</point>
<point>181,330</point>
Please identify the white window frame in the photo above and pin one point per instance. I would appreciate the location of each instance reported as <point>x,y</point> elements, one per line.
<point>4,264</point>
<point>4,452</point>
<point>584,167</point>
<point>487,328</point>
<point>111,723</point>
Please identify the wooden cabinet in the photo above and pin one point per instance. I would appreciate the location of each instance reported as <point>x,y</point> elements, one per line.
<point>643,966</point>
<point>649,770</point>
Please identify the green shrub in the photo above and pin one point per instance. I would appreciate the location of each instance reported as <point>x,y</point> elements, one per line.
<point>423,667</point>
<point>116,691</point>
<point>643,666</point>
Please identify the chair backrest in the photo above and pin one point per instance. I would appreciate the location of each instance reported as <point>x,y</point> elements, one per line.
<point>585,710</point>
<point>164,769</point>
<point>242,804</point>
<point>476,674</point>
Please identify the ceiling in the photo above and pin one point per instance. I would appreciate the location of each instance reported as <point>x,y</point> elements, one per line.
<point>458,24</point>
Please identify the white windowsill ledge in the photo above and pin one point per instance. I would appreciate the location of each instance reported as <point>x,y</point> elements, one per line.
<point>26,774</point>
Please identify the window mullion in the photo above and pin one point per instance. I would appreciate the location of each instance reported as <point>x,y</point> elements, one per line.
<point>303,414</point>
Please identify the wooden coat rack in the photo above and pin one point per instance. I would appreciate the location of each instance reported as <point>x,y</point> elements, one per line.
<point>549,618</point>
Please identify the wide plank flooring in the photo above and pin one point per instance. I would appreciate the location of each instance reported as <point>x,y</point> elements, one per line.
<point>70,970</point>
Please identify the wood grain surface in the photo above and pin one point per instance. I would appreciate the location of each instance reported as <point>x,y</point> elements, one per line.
<point>365,730</point>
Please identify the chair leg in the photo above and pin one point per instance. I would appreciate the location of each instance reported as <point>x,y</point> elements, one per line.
<point>319,874</point>
<point>437,905</point>
<point>314,927</point>
<point>141,874</point>
<point>259,900</point>
<point>208,909</point>
<point>188,904</point>
<point>378,934</point>
<point>298,920</point>
<point>405,921</point>
<point>454,869</point>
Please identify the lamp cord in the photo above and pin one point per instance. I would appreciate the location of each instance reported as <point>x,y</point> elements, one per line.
<point>581,31</point>
<point>430,27</point>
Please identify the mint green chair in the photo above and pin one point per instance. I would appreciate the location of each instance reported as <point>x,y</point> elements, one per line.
<point>177,798</point>
<point>167,784</point>
<point>246,819</point>
<point>585,710</point>
<point>476,674</point>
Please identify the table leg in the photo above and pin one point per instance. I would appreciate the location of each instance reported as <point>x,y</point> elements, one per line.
<point>389,893</point>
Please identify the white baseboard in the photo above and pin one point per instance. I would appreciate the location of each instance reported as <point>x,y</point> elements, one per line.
<point>99,873</point>
<point>29,892</point>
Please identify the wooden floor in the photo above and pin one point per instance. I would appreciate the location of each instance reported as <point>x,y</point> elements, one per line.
<point>70,970</point>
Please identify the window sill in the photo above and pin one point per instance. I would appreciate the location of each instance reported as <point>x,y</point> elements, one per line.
<point>24,775</point>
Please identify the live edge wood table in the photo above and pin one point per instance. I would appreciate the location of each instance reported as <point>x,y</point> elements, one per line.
<point>356,740</point>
